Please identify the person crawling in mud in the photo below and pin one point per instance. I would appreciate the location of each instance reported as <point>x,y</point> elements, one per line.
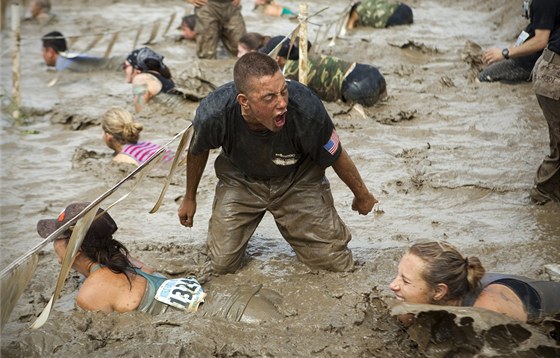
<point>41,11</point>
<point>436,273</point>
<point>188,27</point>
<point>151,80</point>
<point>379,14</point>
<point>56,54</point>
<point>251,42</point>
<point>271,8</point>
<point>117,282</point>
<point>275,150</point>
<point>122,134</point>
<point>330,77</point>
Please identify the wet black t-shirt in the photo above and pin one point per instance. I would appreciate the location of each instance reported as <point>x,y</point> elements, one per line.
<point>307,133</point>
<point>553,23</point>
<point>545,15</point>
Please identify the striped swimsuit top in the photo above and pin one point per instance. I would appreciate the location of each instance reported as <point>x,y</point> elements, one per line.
<point>142,151</point>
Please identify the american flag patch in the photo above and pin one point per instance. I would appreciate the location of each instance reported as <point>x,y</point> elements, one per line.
<point>332,144</point>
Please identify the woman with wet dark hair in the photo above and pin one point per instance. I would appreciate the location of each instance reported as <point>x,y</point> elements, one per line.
<point>436,273</point>
<point>251,42</point>
<point>117,282</point>
<point>149,76</point>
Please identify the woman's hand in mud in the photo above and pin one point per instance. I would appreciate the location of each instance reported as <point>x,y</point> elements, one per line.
<point>492,55</point>
<point>186,212</point>
<point>364,204</point>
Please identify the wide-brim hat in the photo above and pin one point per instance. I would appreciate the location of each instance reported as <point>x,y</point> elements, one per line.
<point>102,226</point>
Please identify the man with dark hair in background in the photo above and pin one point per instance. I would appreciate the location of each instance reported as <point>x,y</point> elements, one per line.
<point>56,54</point>
<point>188,25</point>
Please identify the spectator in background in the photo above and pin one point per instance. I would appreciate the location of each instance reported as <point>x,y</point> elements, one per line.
<point>515,63</point>
<point>217,20</point>
<point>546,83</point>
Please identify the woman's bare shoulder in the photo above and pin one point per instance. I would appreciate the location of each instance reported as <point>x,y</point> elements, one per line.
<point>145,79</point>
<point>123,158</point>
<point>97,291</point>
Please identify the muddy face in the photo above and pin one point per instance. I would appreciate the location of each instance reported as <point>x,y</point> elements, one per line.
<point>409,285</point>
<point>266,104</point>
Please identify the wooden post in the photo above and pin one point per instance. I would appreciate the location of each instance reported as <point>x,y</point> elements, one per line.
<point>302,73</point>
<point>15,59</point>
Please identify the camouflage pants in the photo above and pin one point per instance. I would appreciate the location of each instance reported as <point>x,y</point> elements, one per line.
<point>546,83</point>
<point>218,20</point>
<point>302,207</point>
<point>506,70</point>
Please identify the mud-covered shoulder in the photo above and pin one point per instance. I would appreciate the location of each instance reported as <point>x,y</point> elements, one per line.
<point>305,103</point>
<point>216,104</point>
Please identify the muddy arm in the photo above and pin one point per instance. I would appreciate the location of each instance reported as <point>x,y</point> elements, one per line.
<point>346,170</point>
<point>195,168</point>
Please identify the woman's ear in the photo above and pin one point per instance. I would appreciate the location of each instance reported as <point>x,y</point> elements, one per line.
<point>440,291</point>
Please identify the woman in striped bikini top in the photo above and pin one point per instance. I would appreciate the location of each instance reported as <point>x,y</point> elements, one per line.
<point>122,134</point>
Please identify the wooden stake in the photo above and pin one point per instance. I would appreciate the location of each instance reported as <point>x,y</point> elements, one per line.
<point>16,59</point>
<point>302,73</point>
<point>111,44</point>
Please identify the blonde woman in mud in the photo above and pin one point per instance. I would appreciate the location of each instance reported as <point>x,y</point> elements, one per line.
<point>122,134</point>
<point>436,273</point>
<point>117,282</point>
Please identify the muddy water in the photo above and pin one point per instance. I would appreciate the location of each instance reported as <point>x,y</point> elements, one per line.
<point>447,158</point>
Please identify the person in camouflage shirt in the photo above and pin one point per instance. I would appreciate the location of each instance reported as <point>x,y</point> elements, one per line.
<point>379,14</point>
<point>330,77</point>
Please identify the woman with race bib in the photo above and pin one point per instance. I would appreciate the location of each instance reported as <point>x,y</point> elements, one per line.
<point>117,282</point>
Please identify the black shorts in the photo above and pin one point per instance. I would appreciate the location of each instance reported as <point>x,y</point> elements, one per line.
<point>364,85</point>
